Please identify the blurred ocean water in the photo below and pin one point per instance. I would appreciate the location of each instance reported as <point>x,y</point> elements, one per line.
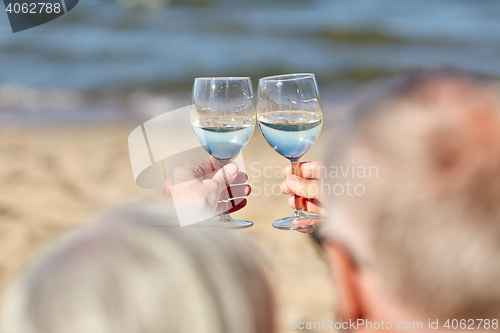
<point>105,51</point>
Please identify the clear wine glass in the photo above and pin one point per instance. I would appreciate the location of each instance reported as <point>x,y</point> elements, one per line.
<point>223,120</point>
<point>290,117</point>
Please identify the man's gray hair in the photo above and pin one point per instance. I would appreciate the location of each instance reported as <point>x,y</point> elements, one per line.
<point>429,223</point>
<point>135,272</point>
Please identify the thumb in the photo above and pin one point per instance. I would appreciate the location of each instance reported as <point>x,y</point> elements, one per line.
<point>231,170</point>
<point>306,188</point>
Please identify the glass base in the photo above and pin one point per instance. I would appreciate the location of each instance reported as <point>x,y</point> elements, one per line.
<point>224,221</point>
<point>299,221</point>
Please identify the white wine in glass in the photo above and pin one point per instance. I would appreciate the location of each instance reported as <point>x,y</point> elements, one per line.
<point>223,120</point>
<point>290,117</point>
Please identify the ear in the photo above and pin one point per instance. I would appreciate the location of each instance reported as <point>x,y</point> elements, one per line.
<point>346,277</point>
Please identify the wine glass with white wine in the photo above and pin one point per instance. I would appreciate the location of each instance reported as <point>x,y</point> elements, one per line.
<point>223,120</point>
<point>290,117</point>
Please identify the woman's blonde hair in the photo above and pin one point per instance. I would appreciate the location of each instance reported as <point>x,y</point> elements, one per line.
<point>134,271</point>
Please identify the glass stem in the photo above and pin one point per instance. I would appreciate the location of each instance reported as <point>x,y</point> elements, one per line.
<point>225,216</point>
<point>299,201</point>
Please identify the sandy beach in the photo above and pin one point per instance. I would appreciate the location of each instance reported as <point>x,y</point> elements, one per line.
<point>55,178</point>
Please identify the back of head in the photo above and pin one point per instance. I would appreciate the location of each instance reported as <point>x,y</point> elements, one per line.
<point>429,218</point>
<point>134,272</point>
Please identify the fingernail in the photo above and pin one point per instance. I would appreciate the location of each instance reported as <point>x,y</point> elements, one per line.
<point>292,179</point>
<point>231,169</point>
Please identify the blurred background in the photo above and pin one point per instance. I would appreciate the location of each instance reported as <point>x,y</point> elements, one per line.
<point>72,89</point>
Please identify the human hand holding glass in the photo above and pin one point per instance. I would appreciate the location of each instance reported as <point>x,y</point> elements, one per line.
<point>308,186</point>
<point>290,117</point>
<point>197,186</point>
<point>223,120</point>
